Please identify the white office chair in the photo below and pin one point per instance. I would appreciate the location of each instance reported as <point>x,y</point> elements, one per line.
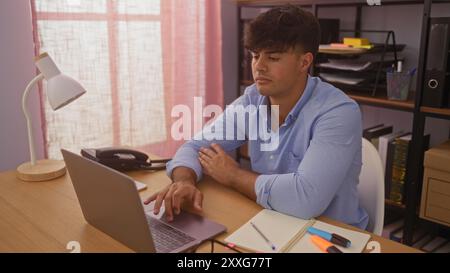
<point>371,187</point>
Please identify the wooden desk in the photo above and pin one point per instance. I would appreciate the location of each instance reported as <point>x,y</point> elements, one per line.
<point>45,216</point>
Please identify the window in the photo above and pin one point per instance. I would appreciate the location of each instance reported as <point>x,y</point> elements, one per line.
<point>137,59</point>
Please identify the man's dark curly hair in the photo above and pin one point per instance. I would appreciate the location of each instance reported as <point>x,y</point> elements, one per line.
<point>283,28</point>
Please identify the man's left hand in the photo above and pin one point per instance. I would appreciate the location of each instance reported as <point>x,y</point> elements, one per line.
<point>218,164</point>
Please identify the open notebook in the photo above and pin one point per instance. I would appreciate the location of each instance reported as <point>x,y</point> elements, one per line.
<point>289,234</point>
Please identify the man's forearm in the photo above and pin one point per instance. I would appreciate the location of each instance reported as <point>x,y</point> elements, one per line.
<point>244,181</point>
<point>184,174</point>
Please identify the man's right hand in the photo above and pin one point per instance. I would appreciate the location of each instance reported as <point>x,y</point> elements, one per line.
<point>182,190</point>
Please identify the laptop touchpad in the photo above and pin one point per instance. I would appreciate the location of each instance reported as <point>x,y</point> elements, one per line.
<point>192,224</point>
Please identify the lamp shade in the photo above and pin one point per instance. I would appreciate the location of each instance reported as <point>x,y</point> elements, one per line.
<point>62,90</point>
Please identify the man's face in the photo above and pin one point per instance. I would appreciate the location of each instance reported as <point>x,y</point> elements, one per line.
<point>276,73</point>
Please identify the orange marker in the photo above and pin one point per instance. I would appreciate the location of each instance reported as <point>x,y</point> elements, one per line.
<point>324,245</point>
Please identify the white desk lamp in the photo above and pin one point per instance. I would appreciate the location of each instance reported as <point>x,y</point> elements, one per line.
<point>61,90</point>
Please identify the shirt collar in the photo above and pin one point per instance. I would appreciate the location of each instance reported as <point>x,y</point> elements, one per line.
<point>293,114</point>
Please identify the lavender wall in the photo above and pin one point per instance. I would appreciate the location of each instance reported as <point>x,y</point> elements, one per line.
<point>16,70</point>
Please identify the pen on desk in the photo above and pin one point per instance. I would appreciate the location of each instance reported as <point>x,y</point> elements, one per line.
<point>324,245</point>
<point>272,246</point>
<point>331,237</point>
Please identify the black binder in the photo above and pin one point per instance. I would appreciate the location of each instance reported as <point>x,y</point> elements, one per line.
<point>437,72</point>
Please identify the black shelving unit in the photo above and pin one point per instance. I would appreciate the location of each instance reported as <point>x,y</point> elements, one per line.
<point>415,159</point>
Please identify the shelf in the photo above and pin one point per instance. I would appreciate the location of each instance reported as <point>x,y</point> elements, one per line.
<point>443,113</point>
<point>381,101</point>
<point>395,205</point>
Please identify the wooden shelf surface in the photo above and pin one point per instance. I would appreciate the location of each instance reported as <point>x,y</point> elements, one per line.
<point>436,112</point>
<point>381,101</point>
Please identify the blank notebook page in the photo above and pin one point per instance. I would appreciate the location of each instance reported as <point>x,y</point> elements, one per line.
<point>278,228</point>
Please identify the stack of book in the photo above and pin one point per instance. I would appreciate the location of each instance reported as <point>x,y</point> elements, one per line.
<point>393,149</point>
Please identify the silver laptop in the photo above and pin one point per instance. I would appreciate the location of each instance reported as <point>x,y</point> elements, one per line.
<point>110,202</point>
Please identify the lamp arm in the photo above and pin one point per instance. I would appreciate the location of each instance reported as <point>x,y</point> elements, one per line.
<point>27,116</point>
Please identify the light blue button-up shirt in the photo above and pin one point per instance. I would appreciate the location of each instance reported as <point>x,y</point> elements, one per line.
<point>315,168</point>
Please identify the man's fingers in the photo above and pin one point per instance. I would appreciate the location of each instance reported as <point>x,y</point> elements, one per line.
<point>151,199</point>
<point>205,165</point>
<point>177,198</point>
<point>208,152</point>
<point>168,203</point>
<point>159,198</point>
<point>217,148</point>
<point>198,200</point>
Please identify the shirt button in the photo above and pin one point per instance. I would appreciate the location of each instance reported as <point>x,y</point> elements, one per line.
<point>271,157</point>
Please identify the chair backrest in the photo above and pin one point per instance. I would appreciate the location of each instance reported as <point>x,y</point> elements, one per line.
<point>371,187</point>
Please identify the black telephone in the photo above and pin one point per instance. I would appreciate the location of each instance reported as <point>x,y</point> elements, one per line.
<point>122,159</point>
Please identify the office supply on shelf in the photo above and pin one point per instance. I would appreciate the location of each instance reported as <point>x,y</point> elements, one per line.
<point>61,91</point>
<point>272,246</point>
<point>341,50</point>
<point>398,83</point>
<point>399,66</point>
<point>363,63</point>
<point>324,245</point>
<point>437,71</point>
<point>336,78</point>
<point>331,237</point>
<point>290,234</point>
<point>356,41</point>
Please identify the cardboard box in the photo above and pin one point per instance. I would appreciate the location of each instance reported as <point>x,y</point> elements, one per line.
<point>435,203</point>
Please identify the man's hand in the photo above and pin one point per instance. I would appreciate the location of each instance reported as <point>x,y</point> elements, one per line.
<point>182,190</point>
<point>218,164</point>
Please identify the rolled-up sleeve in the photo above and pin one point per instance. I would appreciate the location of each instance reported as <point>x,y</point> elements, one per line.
<point>187,154</point>
<point>307,192</point>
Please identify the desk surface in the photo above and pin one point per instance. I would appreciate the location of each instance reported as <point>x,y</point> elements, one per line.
<point>46,216</point>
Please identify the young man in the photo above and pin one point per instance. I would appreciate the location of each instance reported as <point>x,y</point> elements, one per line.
<point>314,169</point>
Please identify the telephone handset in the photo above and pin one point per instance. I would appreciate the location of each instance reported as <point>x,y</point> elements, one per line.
<point>123,159</point>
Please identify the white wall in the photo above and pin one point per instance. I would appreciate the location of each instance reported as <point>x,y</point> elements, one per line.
<point>16,70</point>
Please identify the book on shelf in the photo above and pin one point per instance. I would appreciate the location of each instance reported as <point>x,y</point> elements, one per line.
<point>399,174</point>
<point>289,234</point>
<point>399,166</point>
<point>391,228</point>
<point>373,134</point>
<point>383,146</point>
<point>386,149</point>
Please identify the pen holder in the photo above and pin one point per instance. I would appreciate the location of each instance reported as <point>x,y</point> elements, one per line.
<point>398,85</point>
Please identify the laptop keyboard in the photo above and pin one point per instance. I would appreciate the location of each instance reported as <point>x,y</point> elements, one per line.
<point>165,237</point>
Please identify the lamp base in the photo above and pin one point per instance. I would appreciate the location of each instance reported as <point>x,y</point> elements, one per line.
<point>43,170</point>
